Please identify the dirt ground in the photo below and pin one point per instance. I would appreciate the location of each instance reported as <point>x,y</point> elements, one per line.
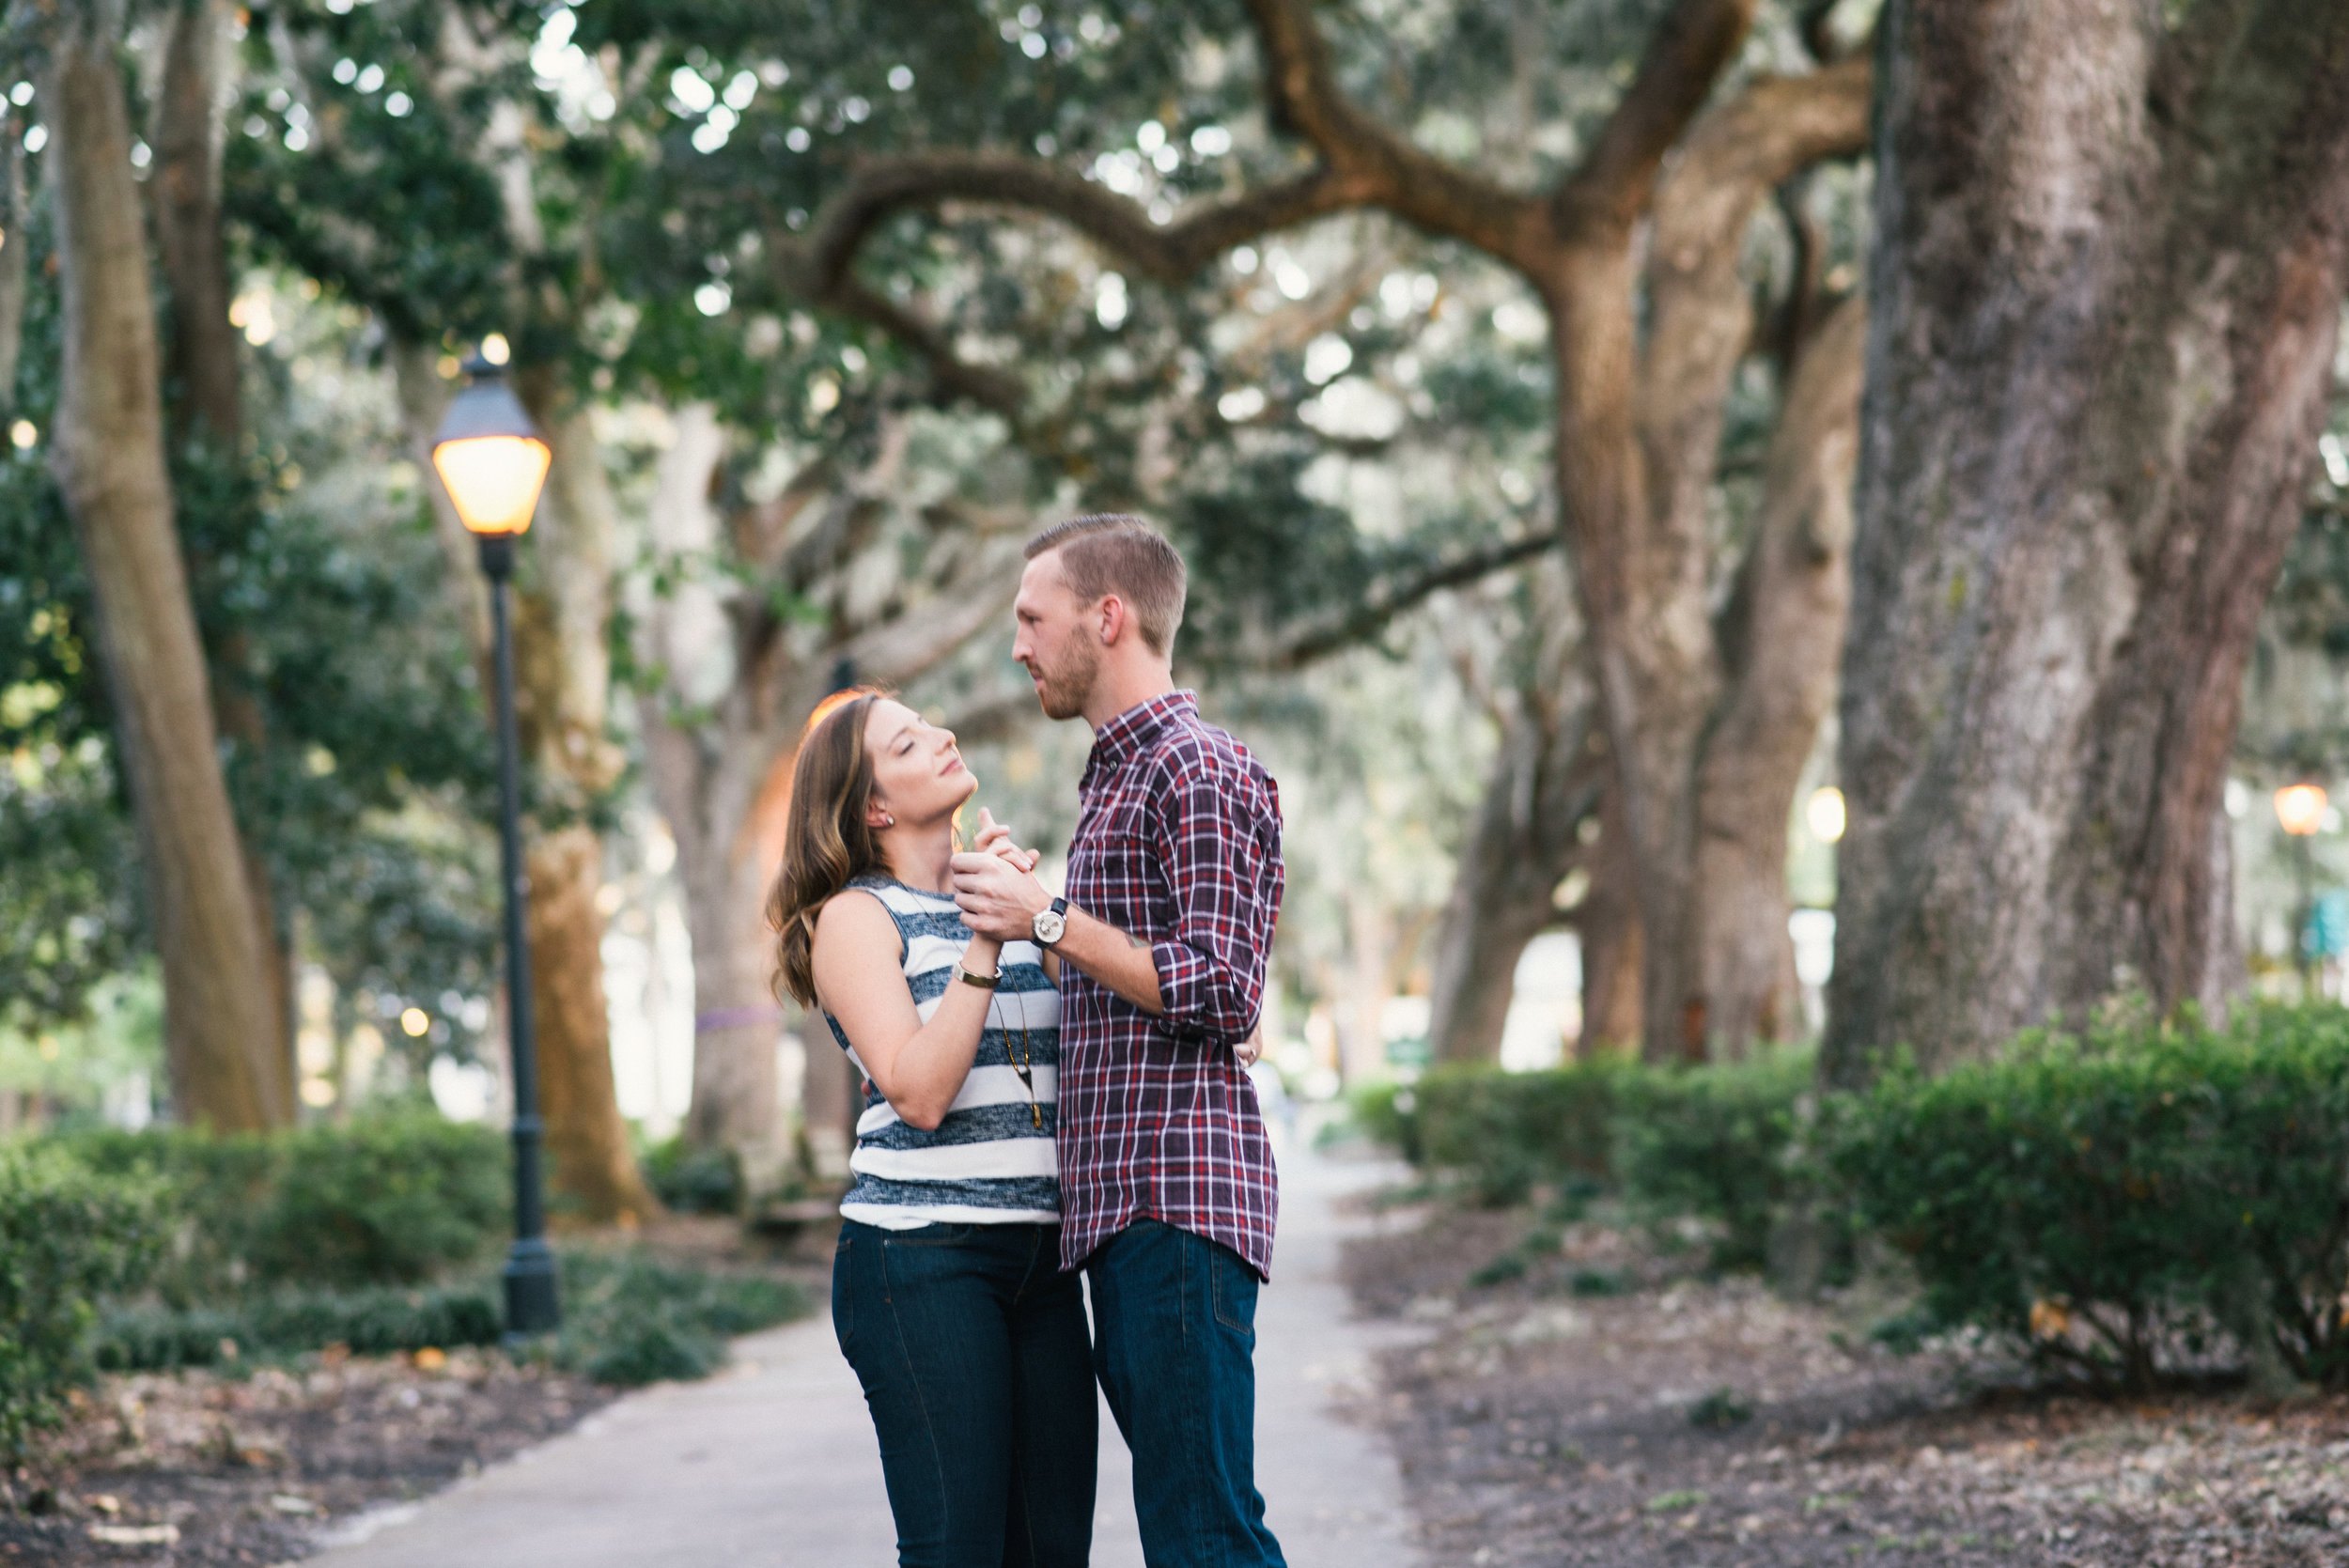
<point>258,1465</point>
<point>1614,1406</point>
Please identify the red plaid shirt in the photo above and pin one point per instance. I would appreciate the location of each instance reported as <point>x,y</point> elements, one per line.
<point>1178,842</point>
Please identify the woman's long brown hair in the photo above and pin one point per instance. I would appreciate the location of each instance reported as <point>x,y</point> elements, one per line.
<point>826,840</point>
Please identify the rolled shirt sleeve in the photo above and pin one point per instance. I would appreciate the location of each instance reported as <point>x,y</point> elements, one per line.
<point>1218,836</point>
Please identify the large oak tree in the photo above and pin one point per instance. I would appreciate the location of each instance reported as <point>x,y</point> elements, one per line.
<point>2111,253</point>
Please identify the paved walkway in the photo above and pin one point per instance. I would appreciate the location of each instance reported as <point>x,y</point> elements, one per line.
<point>775,1463</point>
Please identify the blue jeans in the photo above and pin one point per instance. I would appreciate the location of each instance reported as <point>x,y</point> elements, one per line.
<point>971,1345</point>
<point>1174,1333</point>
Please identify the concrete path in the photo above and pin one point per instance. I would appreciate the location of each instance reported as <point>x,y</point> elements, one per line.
<point>775,1463</point>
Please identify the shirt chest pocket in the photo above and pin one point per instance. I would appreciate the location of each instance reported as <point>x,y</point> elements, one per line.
<point>1120,876</point>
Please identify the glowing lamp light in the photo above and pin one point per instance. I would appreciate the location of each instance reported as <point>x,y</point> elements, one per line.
<point>490,455</point>
<point>2300,808</point>
<point>1824,812</point>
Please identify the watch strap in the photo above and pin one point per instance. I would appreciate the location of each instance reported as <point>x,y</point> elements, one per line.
<point>984,982</point>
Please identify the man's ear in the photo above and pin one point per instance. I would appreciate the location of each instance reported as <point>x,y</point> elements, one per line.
<point>1115,620</point>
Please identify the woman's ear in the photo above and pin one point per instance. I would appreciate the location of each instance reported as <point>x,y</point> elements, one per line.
<point>876,815</point>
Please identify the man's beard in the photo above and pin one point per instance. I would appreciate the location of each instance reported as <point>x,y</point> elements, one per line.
<point>1062,688</point>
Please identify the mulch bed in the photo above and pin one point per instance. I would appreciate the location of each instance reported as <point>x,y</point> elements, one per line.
<point>193,1468</point>
<point>265,1466</point>
<point>1707,1423</point>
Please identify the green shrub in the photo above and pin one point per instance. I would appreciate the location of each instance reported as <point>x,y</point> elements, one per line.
<point>1716,1143</point>
<point>68,1238</point>
<point>375,1322</point>
<point>2114,1200</point>
<point>1502,1133</point>
<point>394,1199</point>
<point>629,1319</point>
<point>626,1320</point>
<point>691,1180</point>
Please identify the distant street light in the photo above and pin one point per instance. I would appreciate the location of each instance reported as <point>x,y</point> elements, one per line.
<point>2300,809</point>
<point>1824,812</point>
<point>493,461</point>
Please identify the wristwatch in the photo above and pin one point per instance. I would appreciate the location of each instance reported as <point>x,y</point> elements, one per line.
<point>1051,925</point>
<point>984,982</point>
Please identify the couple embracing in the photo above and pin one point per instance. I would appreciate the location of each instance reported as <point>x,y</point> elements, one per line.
<point>1056,1085</point>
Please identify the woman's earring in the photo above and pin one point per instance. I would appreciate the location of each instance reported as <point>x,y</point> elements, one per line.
<point>887,821</point>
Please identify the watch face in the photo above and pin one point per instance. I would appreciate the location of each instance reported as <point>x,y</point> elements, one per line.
<point>1049,925</point>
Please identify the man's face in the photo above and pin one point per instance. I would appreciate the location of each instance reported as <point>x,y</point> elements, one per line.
<point>1056,640</point>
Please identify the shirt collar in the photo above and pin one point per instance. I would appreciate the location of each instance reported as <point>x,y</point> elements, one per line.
<point>1138,725</point>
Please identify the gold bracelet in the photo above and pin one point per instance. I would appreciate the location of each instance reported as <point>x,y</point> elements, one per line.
<point>984,982</point>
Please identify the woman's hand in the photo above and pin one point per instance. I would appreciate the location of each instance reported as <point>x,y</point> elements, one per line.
<point>1248,1050</point>
<point>994,838</point>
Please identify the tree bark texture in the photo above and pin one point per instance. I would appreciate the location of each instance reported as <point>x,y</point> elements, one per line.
<point>1638,411</point>
<point>1545,782</point>
<point>109,457</point>
<point>184,191</point>
<point>586,1136</point>
<point>203,402</point>
<point>1613,944</point>
<point>2108,280</point>
<point>1785,646</point>
<point>15,250</point>
<point>722,734</point>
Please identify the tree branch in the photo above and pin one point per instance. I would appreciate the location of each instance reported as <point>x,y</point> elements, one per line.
<point>1684,60</point>
<point>880,188</point>
<point>1391,596</point>
<point>1373,165</point>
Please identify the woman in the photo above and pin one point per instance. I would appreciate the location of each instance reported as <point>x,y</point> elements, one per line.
<point>946,1291</point>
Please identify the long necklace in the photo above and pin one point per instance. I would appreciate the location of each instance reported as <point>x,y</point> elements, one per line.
<point>1023,1064</point>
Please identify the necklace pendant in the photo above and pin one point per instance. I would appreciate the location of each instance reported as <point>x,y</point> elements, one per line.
<point>1037,1112</point>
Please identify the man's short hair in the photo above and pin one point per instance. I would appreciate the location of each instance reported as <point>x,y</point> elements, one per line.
<point>1111,552</point>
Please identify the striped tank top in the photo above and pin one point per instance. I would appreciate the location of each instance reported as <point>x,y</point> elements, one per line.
<point>989,1161</point>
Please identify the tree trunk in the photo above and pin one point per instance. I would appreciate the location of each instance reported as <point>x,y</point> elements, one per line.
<point>1637,450</point>
<point>109,457</point>
<point>203,402</point>
<point>1545,784</point>
<point>16,205</point>
<point>1786,643</point>
<point>185,192</point>
<point>2106,293</point>
<point>1608,923</point>
<point>586,1136</point>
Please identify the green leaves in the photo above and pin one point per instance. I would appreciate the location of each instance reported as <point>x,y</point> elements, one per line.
<point>2121,1200</point>
<point>66,1239</point>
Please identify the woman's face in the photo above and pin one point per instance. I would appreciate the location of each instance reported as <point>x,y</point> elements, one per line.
<point>918,775</point>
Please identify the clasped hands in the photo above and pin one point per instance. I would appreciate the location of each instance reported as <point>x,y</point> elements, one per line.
<point>996,888</point>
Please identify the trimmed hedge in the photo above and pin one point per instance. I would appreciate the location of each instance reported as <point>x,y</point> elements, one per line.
<point>1710,1142</point>
<point>2144,1201</point>
<point>68,1238</point>
<point>626,1320</point>
<point>383,1201</point>
<point>2128,1203</point>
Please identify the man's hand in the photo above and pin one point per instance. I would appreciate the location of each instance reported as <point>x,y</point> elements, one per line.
<point>998,898</point>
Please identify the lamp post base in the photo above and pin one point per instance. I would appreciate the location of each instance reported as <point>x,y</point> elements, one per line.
<point>532,1305</point>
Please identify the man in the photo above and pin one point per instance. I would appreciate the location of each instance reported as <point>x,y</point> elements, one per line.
<point>1168,1194</point>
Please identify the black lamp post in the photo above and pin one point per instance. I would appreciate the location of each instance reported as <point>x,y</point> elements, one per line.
<point>493,461</point>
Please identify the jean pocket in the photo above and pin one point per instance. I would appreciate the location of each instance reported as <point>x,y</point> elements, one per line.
<point>930,1235</point>
<point>1234,1284</point>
